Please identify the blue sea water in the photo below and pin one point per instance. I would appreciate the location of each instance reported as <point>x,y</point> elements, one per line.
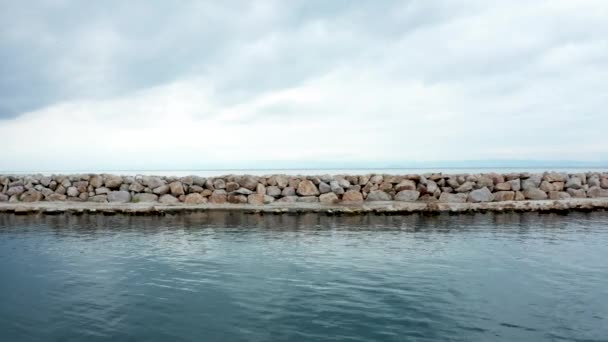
<point>219,276</point>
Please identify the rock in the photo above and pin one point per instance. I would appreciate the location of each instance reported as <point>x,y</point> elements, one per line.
<point>465,187</point>
<point>197,180</point>
<point>260,189</point>
<point>168,199</point>
<point>119,196</point>
<point>308,199</point>
<point>515,184</point>
<point>577,193</point>
<point>136,187</point>
<point>535,194</point>
<point>113,182</point>
<point>431,186</point>
<point>596,191</point>
<point>152,182</point>
<point>73,191</point>
<point>406,184</point>
<point>243,191</point>
<point>324,188</point>
<point>604,182</point>
<point>249,182</point>
<point>447,197</point>
<point>46,180</point>
<point>83,196</point>
<point>268,199</point>
<point>288,191</point>
<point>558,186</point>
<point>501,196</point>
<point>352,196</point>
<point>102,191</point>
<point>161,190</point>
<point>307,188</point>
<point>505,186</point>
<point>336,188</point>
<point>480,195</point>
<point>546,186</point>
<point>177,189</point>
<point>574,183</point>
<point>593,181</point>
<point>218,197</point>
<point>558,195</point>
<point>96,181</point>
<point>196,188</point>
<point>555,177</point>
<point>145,198</point>
<point>363,179</point>
<point>3,197</point>
<point>288,199</point>
<point>532,182</point>
<point>195,198</point>
<point>343,183</point>
<point>209,184</point>
<point>484,181</point>
<point>329,198</point>
<point>96,198</point>
<point>232,186</point>
<point>407,196</point>
<point>31,196</point>
<point>273,191</point>
<point>82,186</point>
<point>378,195</point>
<point>236,199</point>
<point>376,179</point>
<point>255,199</point>
<point>519,196</point>
<point>219,183</point>
<point>15,190</point>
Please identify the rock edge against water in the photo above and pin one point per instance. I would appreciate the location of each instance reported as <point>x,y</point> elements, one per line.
<point>435,188</point>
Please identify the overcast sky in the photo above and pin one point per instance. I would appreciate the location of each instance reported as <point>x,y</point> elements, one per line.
<point>196,84</point>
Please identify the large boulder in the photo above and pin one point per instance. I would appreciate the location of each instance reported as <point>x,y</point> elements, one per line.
<point>504,186</point>
<point>535,194</point>
<point>15,190</point>
<point>480,195</point>
<point>447,197</point>
<point>406,184</point>
<point>577,193</point>
<point>113,181</point>
<point>407,196</point>
<point>352,196</point>
<point>195,198</point>
<point>501,196</point>
<point>177,189</point>
<point>236,199</point>
<point>307,188</point>
<point>559,195</point>
<point>515,184</point>
<point>249,182</point>
<point>3,197</point>
<point>574,183</point>
<point>73,191</point>
<point>288,191</point>
<point>465,187</point>
<point>145,197</point>
<point>255,199</point>
<point>604,182</point>
<point>324,187</point>
<point>532,182</point>
<point>218,197</point>
<point>378,195</point>
<point>95,180</point>
<point>31,196</point>
<point>597,191</point>
<point>119,197</point>
<point>329,198</point>
<point>168,199</point>
<point>161,190</point>
<point>136,187</point>
<point>273,191</point>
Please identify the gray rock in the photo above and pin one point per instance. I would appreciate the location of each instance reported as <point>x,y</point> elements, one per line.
<point>407,196</point>
<point>3,197</point>
<point>273,191</point>
<point>431,186</point>
<point>378,195</point>
<point>249,182</point>
<point>480,195</point>
<point>177,189</point>
<point>288,191</point>
<point>535,194</point>
<point>515,184</point>
<point>161,190</point>
<point>31,196</point>
<point>145,198</point>
<point>447,197</point>
<point>243,191</point>
<point>119,197</point>
<point>574,183</point>
<point>577,193</point>
<point>136,187</point>
<point>465,187</point>
<point>604,183</point>
<point>219,183</point>
<point>555,177</point>
<point>73,191</point>
<point>15,190</point>
<point>168,199</point>
<point>102,191</point>
<point>152,182</point>
<point>343,183</point>
<point>329,198</point>
<point>335,187</point>
<point>96,198</point>
<point>307,188</point>
<point>200,181</point>
<point>113,181</point>
<point>324,188</point>
<point>532,182</point>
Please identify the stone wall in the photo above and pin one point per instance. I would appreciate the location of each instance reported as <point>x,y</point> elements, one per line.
<point>475,188</point>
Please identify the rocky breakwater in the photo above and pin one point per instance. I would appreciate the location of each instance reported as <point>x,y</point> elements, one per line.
<point>324,189</point>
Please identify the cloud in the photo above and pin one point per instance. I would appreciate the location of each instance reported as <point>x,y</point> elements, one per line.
<point>207,84</point>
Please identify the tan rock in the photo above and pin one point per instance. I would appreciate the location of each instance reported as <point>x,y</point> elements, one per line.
<point>307,188</point>
<point>504,186</point>
<point>352,196</point>
<point>256,199</point>
<point>406,184</point>
<point>558,195</point>
<point>177,189</point>
<point>501,196</point>
<point>329,198</point>
<point>194,198</point>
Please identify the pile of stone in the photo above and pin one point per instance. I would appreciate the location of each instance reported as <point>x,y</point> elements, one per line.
<point>329,189</point>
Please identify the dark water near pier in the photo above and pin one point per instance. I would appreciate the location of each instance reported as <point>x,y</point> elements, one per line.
<point>229,277</point>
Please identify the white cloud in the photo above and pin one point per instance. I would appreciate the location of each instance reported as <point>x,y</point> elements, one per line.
<point>513,80</point>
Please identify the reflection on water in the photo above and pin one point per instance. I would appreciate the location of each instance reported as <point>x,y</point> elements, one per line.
<point>221,276</point>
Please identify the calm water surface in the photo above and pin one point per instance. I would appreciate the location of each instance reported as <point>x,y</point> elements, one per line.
<point>228,277</point>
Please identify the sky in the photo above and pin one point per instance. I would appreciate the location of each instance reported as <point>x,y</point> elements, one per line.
<point>208,84</point>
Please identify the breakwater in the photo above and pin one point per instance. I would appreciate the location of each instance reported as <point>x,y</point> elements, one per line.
<point>417,192</point>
